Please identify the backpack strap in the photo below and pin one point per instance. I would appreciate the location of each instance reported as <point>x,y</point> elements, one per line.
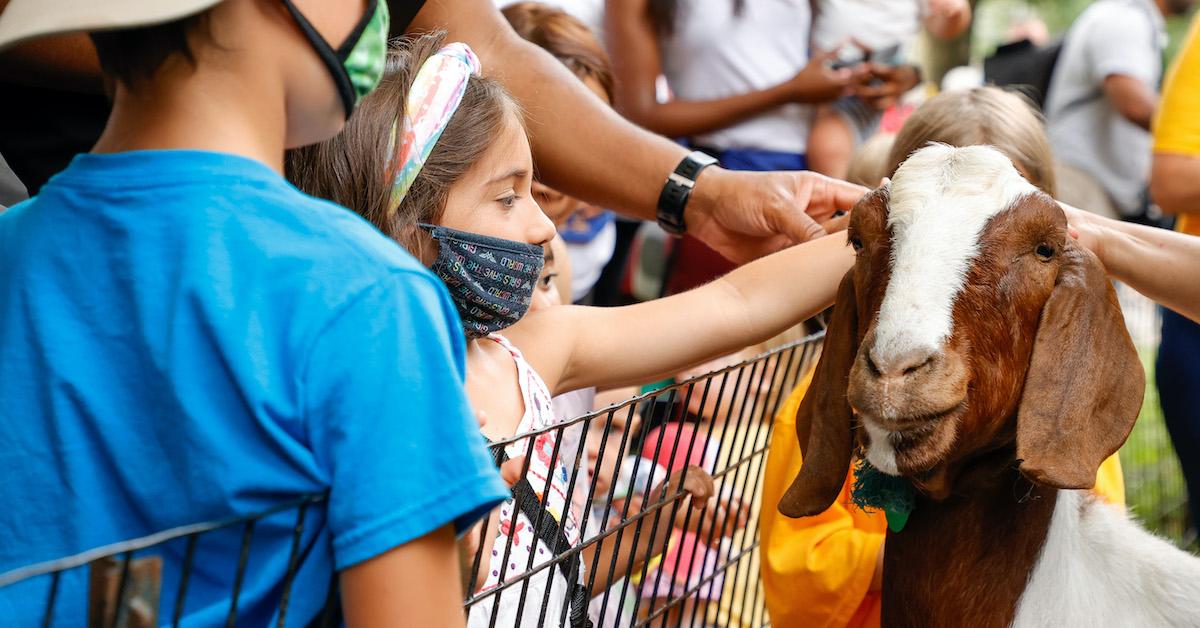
<point>548,530</point>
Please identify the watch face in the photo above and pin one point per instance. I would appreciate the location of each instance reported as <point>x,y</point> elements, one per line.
<point>678,189</point>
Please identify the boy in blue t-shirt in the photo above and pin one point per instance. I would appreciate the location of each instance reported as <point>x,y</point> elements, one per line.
<point>185,337</point>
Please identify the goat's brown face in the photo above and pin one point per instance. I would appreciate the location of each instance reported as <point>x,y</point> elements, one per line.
<point>926,395</point>
<point>952,331</point>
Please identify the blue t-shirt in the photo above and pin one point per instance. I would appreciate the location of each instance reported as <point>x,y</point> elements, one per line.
<point>185,337</point>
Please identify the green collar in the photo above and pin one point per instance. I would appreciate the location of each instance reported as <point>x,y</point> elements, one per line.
<point>876,490</point>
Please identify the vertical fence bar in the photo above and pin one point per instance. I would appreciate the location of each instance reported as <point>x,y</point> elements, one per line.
<point>189,557</point>
<point>717,534</point>
<point>551,471</point>
<point>231,619</point>
<point>503,571</point>
<point>293,562</point>
<point>332,610</point>
<point>121,584</point>
<point>608,511</point>
<point>678,502</point>
<point>637,528</point>
<point>51,598</point>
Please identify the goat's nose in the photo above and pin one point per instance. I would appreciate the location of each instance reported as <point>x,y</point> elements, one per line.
<point>901,364</point>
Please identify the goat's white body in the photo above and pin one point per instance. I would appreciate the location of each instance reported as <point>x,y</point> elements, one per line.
<point>1098,568</point>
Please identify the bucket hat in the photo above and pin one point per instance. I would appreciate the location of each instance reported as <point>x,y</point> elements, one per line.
<point>23,20</point>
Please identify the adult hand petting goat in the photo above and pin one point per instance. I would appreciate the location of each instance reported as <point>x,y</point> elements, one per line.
<point>745,215</point>
<point>1158,263</point>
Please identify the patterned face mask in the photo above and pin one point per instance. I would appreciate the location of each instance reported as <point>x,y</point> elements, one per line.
<point>490,279</point>
<point>356,65</point>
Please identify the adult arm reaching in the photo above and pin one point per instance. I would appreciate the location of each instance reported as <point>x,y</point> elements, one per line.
<point>1163,265</point>
<point>581,146</point>
<point>585,149</point>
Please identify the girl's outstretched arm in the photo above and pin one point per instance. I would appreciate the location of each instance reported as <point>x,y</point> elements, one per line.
<point>575,347</point>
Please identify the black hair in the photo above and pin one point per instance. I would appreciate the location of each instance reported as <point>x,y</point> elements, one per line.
<point>132,55</point>
<point>663,14</point>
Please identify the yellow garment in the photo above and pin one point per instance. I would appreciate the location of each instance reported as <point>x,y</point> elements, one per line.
<point>1177,120</point>
<point>817,570</point>
<point>738,605</point>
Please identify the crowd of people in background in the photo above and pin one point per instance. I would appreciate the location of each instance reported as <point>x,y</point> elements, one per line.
<point>275,249</point>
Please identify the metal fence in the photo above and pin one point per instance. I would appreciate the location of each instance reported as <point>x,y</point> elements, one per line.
<point>641,552</point>
<point>697,564</point>
<point>1154,488</point>
<point>149,581</point>
<point>678,563</point>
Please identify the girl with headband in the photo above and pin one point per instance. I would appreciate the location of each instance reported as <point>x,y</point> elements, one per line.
<point>451,181</point>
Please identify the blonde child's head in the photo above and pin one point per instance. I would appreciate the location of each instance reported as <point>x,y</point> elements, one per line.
<point>870,161</point>
<point>982,115</point>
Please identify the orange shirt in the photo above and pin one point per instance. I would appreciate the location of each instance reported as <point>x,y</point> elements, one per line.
<point>816,571</point>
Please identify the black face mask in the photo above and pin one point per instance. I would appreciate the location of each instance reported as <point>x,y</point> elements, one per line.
<point>357,65</point>
<point>490,279</point>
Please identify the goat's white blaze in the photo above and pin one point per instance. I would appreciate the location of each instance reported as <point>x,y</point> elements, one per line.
<point>940,201</point>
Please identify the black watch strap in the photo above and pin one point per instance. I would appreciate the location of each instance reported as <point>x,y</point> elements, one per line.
<point>678,189</point>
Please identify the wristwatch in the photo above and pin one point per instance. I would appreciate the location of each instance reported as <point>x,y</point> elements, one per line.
<point>678,189</point>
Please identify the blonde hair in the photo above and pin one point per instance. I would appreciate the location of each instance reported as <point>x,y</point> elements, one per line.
<point>870,161</point>
<point>983,115</point>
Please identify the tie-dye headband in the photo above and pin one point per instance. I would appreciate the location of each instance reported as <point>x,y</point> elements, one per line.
<point>435,95</point>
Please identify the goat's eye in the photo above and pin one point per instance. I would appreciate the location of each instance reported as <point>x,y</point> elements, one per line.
<point>1044,251</point>
<point>856,243</point>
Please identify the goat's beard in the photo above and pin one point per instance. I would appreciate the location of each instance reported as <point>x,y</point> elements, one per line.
<point>913,451</point>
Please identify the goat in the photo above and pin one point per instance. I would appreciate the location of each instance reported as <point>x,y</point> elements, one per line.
<point>985,357</point>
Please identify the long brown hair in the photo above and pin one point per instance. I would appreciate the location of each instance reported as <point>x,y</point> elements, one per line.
<point>354,169</point>
<point>1002,119</point>
<point>564,36</point>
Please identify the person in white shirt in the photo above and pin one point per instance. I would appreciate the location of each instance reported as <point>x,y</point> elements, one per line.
<point>880,33</point>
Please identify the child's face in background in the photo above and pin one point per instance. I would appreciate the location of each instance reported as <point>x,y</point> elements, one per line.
<point>546,293</point>
<point>604,471</point>
<point>495,198</point>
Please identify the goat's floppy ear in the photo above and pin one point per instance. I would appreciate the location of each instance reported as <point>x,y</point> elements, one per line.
<point>1085,383</point>
<point>823,420</point>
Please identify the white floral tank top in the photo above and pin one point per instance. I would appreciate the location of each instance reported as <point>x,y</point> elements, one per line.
<point>539,414</point>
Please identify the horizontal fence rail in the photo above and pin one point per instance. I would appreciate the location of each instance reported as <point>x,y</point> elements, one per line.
<point>146,581</point>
